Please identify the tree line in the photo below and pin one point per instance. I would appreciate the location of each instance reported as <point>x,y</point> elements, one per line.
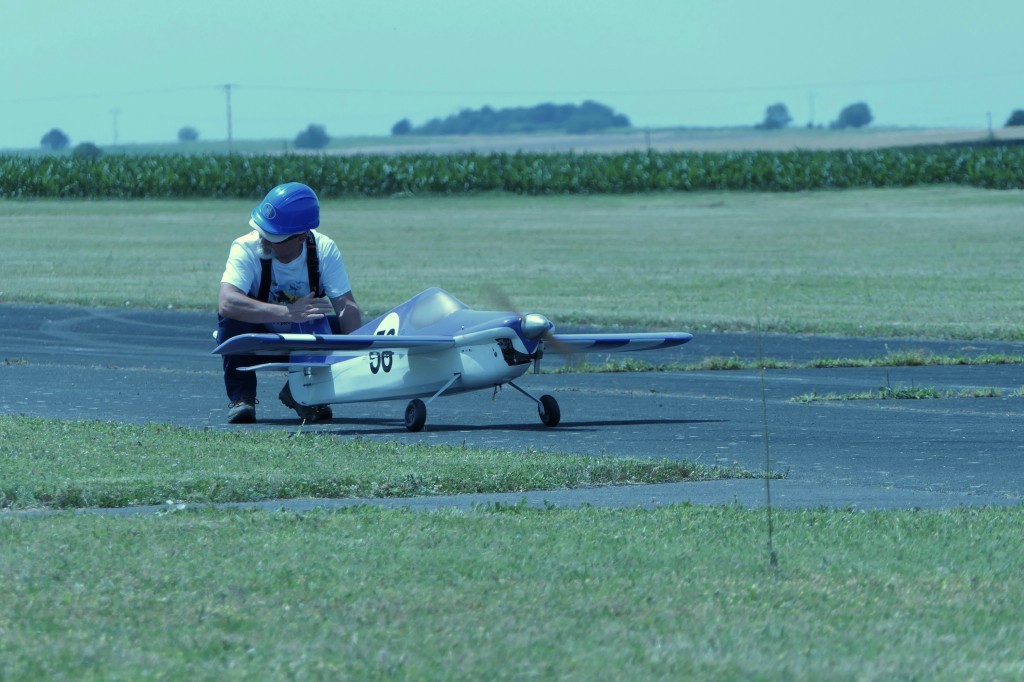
<point>571,118</point>
<point>585,118</point>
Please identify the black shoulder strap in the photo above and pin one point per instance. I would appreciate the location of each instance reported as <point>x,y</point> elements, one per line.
<point>264,294</point>
<point>313,265</point>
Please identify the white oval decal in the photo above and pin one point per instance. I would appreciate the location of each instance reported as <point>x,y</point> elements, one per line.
<point>389,325</point>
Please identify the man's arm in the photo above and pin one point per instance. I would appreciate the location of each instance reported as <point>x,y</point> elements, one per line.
<point>350,318</point>
<point>234,304</point>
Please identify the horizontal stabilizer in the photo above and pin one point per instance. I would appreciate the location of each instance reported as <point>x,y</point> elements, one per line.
<point>287,344</point>
<point>280,366</point>
<point>567,344</point>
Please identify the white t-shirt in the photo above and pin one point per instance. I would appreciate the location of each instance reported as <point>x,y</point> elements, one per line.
<point>289,281</point>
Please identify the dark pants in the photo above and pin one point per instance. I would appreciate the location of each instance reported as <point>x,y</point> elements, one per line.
<point>238,384</point>
<point>243,384</point>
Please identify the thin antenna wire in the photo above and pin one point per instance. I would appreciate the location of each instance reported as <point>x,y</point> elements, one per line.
<point>773,558</point>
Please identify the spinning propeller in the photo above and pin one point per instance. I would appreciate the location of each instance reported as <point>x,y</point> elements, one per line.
<point>535,326</point>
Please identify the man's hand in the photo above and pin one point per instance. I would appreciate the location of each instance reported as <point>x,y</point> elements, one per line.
<point>309,307</point>
<point>235,304</point>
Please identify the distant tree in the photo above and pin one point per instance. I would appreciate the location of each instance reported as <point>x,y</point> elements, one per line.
<point>55,140</point>
<point>591,116</point>
<point>552,114</point>
<point>776,117</point>
<point>403,127</point>
<point>488,121</point>
<point>188,134</point>
<point>1016,118</point>
<point>87,150</point>
<point>313,137</point>
<point>854,116</point>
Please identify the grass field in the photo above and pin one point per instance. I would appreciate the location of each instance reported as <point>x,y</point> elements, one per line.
<point>677,593</point>
<point>940,262</point>
<point>508,592</point>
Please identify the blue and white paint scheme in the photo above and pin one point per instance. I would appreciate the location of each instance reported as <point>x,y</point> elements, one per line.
<point>431,345</point>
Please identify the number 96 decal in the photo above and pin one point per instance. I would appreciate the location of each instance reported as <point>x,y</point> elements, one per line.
<point>382,361</point>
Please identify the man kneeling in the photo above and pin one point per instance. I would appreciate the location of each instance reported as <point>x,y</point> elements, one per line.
<point>283,276</point>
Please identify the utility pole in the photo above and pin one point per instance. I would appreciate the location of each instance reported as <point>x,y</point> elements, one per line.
<point>227,91</point>
<point>114,112</point>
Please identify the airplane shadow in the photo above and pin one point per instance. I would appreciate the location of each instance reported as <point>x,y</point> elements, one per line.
<point>380,426</point>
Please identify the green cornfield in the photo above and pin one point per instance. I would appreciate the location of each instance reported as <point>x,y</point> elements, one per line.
<point>241,176</point>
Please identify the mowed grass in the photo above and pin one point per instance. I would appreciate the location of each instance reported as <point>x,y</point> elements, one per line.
<point>513,593</point>
<point>937,262</point>
<point>48,463</point>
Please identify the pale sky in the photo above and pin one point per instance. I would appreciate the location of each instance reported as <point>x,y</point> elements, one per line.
<point>145,68</point>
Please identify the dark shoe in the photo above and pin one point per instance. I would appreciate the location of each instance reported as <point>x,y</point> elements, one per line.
<point>242,411</point>
<point>307,413</point>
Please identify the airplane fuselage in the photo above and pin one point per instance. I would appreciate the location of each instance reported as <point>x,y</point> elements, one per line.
<point>403,375</point>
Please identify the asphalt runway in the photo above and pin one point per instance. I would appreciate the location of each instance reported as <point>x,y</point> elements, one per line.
<point>142,366</point>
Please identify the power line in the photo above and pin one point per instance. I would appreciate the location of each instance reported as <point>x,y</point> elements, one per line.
<point>101,95</point>
<point>909,80</point>
<point>350,90</point>
<point>227,91</point>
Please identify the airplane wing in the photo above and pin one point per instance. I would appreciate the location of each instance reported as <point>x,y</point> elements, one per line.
<point>567,344</point>
<point>287,344</point>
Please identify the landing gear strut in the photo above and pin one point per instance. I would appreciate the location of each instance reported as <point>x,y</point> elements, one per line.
<point>547,407</point>
<point>416,410</point>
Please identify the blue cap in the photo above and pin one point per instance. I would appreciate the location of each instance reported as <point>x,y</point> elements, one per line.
<point>287,210</point>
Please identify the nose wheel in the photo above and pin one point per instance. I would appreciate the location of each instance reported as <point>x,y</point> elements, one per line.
<point>547,408</point>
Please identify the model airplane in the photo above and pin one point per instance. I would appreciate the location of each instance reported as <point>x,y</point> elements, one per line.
<point>431,345</point>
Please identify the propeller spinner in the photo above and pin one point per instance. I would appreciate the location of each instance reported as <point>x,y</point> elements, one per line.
<point>538,328</point>
<point>535,325</point>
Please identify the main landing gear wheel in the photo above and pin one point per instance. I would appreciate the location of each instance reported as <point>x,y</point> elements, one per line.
<point>416,415</point>
<point>548,410</point>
